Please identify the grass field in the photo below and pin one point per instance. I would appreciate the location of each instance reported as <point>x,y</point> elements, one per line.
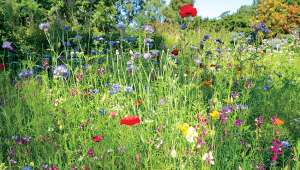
<point>220,105</point>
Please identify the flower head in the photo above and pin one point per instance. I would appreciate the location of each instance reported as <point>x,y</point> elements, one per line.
<point>149,29</point>
<point>208,158</point>
<point>61,71</point>
<point>97,138</point>
<point>276,121</point>
<point>187,10</point>
<point>130,120</point>
<point>7,45</point>
<point>44,26</point>
<point>215,115</point>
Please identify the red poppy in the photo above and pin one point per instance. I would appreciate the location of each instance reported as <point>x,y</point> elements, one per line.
<point>97,138</point>
<point>187,10</point>
<point>130,120</point>
<point>175,51</point>
<point>2,66</point>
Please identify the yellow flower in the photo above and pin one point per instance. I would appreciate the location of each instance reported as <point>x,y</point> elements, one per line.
<point>214,114</point>
<point>183,128</point>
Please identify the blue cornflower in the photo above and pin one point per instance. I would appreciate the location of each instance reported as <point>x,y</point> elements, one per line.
<point>114,89</point>
<point>27,168</point>
<point>61,71</point>
<point>266,88</point>
<point>128,89</point>
<point>285,144</point>
<point>25,74</point>
<point>66,28</point>
<point>206,37</point>
<point>183,26</point>
<point>262,27</point>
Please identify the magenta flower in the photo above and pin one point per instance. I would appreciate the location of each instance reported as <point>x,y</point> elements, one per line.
<point>90,152</point>
<point>238,122</point>
<point>259,121</point>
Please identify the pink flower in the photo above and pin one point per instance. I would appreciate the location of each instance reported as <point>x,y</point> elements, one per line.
<point>90,152</point>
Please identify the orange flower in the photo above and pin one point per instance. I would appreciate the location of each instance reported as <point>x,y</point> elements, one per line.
<point>139,102</point>
<point>276,121</point>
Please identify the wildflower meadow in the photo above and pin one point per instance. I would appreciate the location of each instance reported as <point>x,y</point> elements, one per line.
<point>133,84</point>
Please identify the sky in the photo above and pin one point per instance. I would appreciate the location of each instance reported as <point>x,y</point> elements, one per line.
<point>214,8</point>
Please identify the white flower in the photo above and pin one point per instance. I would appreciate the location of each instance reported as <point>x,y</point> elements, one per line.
<point>173,153</point>
<point>208,157</point>
<point>191,134</point>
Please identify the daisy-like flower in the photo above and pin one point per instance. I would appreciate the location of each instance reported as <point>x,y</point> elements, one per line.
<point>208,158</point>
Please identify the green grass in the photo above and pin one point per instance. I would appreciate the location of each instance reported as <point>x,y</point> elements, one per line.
<point>52,117</point>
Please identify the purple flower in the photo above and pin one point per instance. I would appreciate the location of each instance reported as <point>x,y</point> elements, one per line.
<point>235,95</point>
<point>223,117</point>
<point>90,152</point>
<point>238,122</point>
<point>259,121</point>
<point>262,27</point>
<point>147,56</point>
<point>7,45</point>
<point>226,109</point>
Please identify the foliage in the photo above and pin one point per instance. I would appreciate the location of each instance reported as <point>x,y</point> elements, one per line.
<point>281,17</point>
